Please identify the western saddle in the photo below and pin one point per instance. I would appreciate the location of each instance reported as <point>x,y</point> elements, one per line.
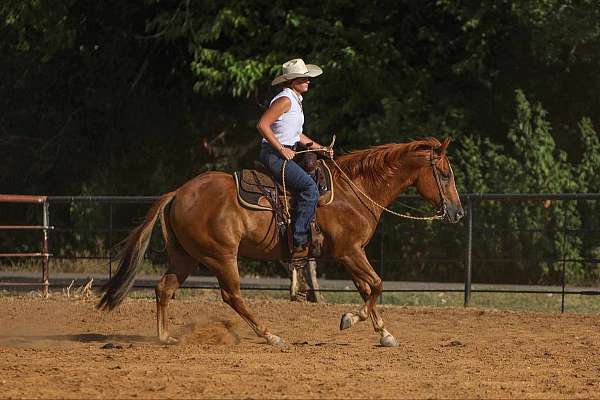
<point>258,190</point>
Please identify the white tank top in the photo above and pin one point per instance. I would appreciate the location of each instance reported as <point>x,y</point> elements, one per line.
<point>288,127</point>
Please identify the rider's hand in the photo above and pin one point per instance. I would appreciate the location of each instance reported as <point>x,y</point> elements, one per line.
<point>329,152</point>
<point>288,154</point>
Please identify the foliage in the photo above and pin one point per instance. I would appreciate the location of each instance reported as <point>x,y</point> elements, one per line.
<point>137,97</point>
<point>586,174</point>
<point>533,164</point>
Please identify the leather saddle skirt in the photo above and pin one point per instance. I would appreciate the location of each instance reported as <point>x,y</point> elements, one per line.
<point>253,185</point>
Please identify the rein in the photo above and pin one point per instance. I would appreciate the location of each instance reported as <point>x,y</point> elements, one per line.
<point>407,216</point>
<point>347,178</point>
<point>433,159</point>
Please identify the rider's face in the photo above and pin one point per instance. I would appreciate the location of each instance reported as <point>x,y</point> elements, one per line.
<point>300,85</point>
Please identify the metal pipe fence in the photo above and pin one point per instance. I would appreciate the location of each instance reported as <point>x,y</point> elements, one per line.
<point>462,234</point>
<point>45,227</point>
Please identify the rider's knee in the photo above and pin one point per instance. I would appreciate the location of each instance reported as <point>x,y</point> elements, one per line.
<point>313,191</point>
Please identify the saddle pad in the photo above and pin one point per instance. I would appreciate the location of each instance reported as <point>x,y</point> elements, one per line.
<point>251,196</point>
<point>250,179</point>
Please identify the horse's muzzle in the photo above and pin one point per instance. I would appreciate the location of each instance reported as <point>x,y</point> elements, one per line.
<point>452,214</point>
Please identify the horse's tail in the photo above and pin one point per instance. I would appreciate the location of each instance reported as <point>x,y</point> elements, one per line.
<point>132,253</point>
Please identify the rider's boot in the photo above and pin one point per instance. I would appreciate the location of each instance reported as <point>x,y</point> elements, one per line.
<point>300,251</point>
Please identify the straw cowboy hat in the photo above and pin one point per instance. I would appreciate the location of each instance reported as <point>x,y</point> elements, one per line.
<point>297,69</point>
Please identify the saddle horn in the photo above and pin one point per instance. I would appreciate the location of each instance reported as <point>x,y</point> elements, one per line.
<point>332,142</point>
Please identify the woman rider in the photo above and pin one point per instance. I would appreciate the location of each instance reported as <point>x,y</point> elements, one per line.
<point>281,128</point>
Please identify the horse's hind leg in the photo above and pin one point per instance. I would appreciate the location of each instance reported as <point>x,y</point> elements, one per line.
<point>369,285</point>
<point>229,279</point>
<point>181,265</point>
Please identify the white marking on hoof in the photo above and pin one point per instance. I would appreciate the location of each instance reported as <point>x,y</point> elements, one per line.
<point>388,341</point>
<point>274,340</point>
<point>347,321</point>
<point>169,340</point>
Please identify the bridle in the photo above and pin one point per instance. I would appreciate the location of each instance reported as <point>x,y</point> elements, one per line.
<point>433,159</point>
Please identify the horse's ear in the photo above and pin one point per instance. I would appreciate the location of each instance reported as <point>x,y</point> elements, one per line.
<point>444,145</point>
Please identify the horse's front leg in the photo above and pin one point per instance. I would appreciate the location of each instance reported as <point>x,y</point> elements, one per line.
<point>369,285</point>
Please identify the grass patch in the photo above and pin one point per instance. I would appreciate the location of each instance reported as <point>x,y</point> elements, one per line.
<point>538,302</point>
<point>212,294</point>
<point>542,302</point>
<point>80,265</point>
<point>101,266</point>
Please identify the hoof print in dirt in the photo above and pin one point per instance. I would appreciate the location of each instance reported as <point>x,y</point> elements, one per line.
<point>454,343</point>
<point>111,346</point>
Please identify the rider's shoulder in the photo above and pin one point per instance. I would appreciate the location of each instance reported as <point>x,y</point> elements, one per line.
<point>282,101</point>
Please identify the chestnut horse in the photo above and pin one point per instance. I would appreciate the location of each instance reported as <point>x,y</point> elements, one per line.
<point>206,225</point>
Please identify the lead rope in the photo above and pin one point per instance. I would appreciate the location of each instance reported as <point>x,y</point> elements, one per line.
<point>347,178</point>
<point>285,200</point>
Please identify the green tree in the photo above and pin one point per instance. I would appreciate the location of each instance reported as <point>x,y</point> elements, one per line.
<point>531,232</point>
<point>587,173</point>
<point>120,97</point>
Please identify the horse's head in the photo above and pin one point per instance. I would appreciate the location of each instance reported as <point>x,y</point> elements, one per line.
<point>435,182</point>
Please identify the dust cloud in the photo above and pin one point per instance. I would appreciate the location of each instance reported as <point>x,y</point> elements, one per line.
<point>210,331</point>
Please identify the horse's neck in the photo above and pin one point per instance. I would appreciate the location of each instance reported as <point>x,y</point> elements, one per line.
<point>385,192</point>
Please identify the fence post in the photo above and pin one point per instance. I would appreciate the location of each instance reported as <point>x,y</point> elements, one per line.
<point>110,229</point>
<point>45,255</point>
<point>381,247</point>
<point>564,249</point>
<point>469,251</point>
<point>310,277</point>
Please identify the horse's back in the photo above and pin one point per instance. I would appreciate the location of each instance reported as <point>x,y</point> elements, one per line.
<point>208,194</point>
<point>208,183</point>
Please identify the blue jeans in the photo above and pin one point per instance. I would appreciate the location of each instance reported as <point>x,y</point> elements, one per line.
<point>303,186</point>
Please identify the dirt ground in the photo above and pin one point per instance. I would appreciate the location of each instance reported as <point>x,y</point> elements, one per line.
<point>60,348</point>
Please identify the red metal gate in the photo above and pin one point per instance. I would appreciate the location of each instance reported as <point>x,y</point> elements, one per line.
<point>45,227</point>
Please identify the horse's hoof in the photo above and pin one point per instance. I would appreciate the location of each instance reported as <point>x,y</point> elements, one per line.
<point>169,340</point>
<point>346,321</point>
<point>275,340</point>
<point>388,341</point>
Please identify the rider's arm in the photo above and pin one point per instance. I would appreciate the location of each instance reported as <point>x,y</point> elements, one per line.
<point>279,106</point>
<point>306,140</point>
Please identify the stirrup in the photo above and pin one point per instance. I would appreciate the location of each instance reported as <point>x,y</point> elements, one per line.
<point>300,253</point>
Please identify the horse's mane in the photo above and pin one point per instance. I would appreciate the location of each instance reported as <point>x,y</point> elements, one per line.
<point>376,164</point>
